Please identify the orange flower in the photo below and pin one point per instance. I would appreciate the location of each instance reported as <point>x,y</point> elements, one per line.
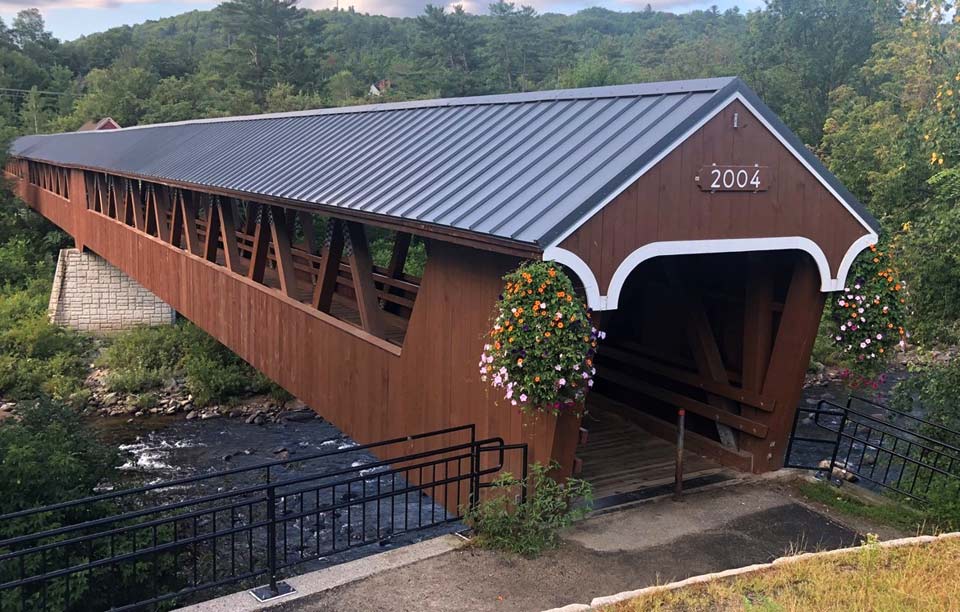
<point>520,361</point>
<point>496,345</point>
<point>536,379</point>
<point>552,272</point>
<point>560,324</point>
<point>546,334</point>
<point>560,294</point>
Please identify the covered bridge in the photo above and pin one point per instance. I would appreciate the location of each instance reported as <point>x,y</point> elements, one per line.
<point>700,229</point>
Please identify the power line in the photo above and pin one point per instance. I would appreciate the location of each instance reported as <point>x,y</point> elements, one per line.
<point>12,91</point>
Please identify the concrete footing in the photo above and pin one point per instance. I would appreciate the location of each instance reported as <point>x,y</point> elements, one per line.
<point>89,294</point>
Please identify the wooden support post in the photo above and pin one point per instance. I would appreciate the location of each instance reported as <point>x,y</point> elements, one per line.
<point>161,208</point>
<point>332,253</point>
<point>211,243</point>
<point>261,245</point>
<point>790,357</point>
<point>136,203</point>
<point>281,248</point>
<point>757,321</point>
<point>176,220</point>
<point>228,235</point>
<point>309,235</point>
<point>361,270</point>
<point>188,212</point>
<point>704,348</point>
<point>250,223</point>
<point>398,259</point>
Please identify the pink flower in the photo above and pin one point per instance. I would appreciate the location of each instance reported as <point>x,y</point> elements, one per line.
<point>562,382</point>
<point>523,397</point>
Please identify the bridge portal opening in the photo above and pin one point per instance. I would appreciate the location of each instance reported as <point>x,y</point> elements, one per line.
<point>691,332</point>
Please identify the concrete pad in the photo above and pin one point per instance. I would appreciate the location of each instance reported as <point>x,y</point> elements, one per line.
<point>667,520</point>
<point>332,577</point>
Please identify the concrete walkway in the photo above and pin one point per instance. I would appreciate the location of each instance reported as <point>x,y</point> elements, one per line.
<point>648,544</point>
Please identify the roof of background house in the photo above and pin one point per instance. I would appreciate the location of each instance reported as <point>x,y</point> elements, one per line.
<point>526,167</point>
<point>107,123</point>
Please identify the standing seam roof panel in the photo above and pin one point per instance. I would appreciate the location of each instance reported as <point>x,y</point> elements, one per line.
<point>520,167</point>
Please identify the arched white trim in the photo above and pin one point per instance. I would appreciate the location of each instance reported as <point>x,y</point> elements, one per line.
<point>737,245</point>
<point>581,269</point>
<point>855,249</point>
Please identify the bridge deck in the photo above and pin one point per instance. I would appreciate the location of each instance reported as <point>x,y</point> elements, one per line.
<point>621,456</point>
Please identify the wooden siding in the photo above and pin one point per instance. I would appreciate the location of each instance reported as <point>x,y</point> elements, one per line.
<point>666,203</point>
<point>367,387</point>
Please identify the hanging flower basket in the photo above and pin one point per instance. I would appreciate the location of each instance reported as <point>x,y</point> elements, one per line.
<point>541,347</point>
<point>870,313</point>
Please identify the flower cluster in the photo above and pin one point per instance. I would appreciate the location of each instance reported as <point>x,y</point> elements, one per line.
<point>870,313</point>
<point>541,347</point>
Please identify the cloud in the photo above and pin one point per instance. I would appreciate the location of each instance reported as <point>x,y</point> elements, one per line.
<point>51,5</point>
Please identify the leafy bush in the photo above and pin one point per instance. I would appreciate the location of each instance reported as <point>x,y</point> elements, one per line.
<point>51,455</point>
<point>932,388</point>
<point>869,315</point>
<point>930,252</point>
<point>37,357</point>
<point>47,455</point>
<point>143,359</point>
<point>540,350</point>
<point>531,527</point>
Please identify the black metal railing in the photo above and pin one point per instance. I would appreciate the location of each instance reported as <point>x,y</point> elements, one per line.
<point>887,448</point>
<point>136,548</point>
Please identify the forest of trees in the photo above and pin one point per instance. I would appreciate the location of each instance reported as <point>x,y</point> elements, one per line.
<point>869,85</point>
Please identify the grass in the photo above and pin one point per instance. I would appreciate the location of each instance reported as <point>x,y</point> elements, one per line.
<point>906,519</point>
<point>914,578</point>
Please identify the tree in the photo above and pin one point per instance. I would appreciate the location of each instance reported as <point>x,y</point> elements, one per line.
<point>448,42</point>
<point>265,30</point>
<point>513,45</point>
<point>34,114</point>
<point>798,51</point>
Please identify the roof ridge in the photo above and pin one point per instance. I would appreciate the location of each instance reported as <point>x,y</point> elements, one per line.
<point>606,91</point>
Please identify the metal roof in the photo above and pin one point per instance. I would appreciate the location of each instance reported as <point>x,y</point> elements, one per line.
<point>523,167</point>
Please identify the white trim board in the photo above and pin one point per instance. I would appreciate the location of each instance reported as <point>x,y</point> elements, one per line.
<point>686,135</point>
<point>611,300</point>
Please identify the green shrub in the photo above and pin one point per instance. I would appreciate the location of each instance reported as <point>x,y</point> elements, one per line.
<point>531,527</point>
<point>49,455</point>
<point>37,357</point>
<point>143,359</point>
<point>212,379</point>
<point>934,386</point>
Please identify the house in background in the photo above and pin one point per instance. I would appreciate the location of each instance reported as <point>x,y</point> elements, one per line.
<point>107,123</point>
<point>380,87</point>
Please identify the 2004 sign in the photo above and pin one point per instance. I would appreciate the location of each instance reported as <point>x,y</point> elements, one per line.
<point>733,178</point>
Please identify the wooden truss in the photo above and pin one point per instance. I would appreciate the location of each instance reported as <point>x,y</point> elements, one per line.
<point>274,246</point>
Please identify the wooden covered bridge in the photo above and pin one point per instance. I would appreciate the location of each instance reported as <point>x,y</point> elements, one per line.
<point>701,231</point>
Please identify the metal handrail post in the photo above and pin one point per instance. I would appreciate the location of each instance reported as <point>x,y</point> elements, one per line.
<point>272,535</point>
<point>678,474</point>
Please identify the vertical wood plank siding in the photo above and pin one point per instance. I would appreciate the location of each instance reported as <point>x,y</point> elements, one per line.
<point>367,387</point>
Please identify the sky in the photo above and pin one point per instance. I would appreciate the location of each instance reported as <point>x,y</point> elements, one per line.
<point>70,19</point>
